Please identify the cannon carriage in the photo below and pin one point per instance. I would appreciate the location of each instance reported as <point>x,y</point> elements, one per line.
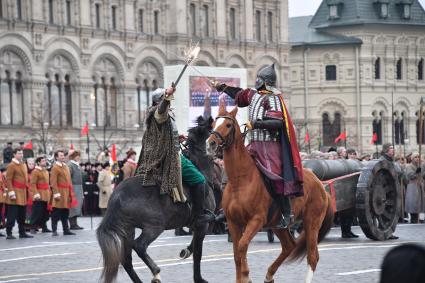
<point>372,188</point>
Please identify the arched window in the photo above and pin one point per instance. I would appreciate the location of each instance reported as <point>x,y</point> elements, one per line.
<point>11,89</point>
<point>378,68</point>
<point>232,23</point>
<point>68,13</point>
<point>399,131</point>
<point>105,93</point>
<point>97,12</point>
<point>114,17</point>
<point>19,9</point>
<point>206,19</point>
<point>417,128</point>
<point>51,13</point>
<point>421,69</point>
<point>156,22</point>
<point>258,25</point>
<point>331,129</point>
<point>270,26</point>
<point>141,26</point>
<point>377,126</point>
<point>399,69</point>
<point>193,19</point>
<point>331,73</point>
<point>58,92</point>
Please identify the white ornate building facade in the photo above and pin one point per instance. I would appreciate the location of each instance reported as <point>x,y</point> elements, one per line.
<point>65,63</point>
<point>353,64</point>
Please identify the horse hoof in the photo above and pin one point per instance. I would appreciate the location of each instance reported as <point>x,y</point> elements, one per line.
<point>269,281</point>
<point>185,253</point>
<point>155,280</point>
<point>201,281</point>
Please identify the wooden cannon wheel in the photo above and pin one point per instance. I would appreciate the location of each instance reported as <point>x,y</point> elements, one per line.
<point>378,199</point>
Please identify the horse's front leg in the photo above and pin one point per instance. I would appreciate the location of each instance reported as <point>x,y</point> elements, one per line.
<point>197,243</point>
<point>252,228</point>
<point>236,234</point>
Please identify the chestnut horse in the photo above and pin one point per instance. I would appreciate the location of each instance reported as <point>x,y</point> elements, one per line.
<point>246,203</point>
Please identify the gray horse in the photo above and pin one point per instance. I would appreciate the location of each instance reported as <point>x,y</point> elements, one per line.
<point>132,206</point>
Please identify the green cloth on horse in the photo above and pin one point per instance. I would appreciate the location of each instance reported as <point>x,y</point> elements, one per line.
<point>190,174</point>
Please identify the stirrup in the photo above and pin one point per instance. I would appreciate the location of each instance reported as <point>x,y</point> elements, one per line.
<point>284,222</point>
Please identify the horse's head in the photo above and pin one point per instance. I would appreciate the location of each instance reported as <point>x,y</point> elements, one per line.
<point>225,130</point>
<point>199,134</point>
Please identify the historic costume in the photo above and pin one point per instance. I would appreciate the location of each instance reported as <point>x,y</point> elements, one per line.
<point>60,181</point>
<point>414,203</point>
<point>272,139</point>
<point>77,185</point>
<point>41,194</point>
<point>130,166</point>
<point>104,183</point>
<point>17,186</point>
<point>3,197</point>
<point>160,163</point>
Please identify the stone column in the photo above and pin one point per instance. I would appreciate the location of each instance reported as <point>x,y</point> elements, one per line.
<point>284,24</point>
<point>249,16</point>
<point>177,17</point>
<point>129,16</point>
<point>221,18</point>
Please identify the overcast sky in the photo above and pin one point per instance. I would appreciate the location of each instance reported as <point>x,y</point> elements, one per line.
<point>309,7</point>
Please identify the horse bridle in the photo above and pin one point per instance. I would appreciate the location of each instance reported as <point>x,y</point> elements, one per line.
<point>225,142</point>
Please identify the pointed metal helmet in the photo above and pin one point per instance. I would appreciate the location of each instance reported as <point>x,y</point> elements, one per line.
<point>266,77</point>
<point>157,95</point>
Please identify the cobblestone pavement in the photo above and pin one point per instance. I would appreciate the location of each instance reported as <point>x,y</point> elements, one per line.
<point>78,259</point>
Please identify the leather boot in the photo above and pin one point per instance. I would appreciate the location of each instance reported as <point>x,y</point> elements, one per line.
<point>198,199</point>
<point>77,227</point>
<point>9,234</point>
<point>44,229</point>
<point>287,218</point>
<point>72,223</point>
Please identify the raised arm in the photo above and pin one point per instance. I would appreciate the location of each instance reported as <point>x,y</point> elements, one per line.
<point>241,96</point>
<point>161,113</point>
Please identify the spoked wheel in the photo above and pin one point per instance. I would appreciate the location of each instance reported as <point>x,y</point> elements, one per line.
<point>378,200</point>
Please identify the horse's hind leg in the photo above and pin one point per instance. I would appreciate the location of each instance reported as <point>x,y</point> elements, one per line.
<point>127,261</point>
<point>141,245</point>
<point>288,243</point>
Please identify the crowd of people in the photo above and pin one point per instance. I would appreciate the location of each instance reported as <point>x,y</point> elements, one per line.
<point>33,190</point>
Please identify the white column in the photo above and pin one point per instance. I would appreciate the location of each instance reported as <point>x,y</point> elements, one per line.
<point>37,12</point>
<point>177,17</point>
<point>221,16</point>
<point>129,16</point>
<point>249,16</point>
<point>85,17</point>
<point>284,25</point>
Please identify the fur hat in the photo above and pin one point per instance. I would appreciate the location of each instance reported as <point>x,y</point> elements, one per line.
<point>73,154</point>
<point>130,152</point>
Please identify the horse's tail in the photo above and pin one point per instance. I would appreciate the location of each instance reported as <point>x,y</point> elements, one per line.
<point>111,235</point>
<point>300,250</point>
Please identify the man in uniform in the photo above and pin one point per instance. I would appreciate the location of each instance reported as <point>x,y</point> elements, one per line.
<point>77,185</point>
<point>8,153</point>
<point>160,163</point>
<point>60,181</point>
<point>3,195</point>
<point>40,191</point>
<point>130,166</point>
<point>272,139</point>
<point>17,185</point>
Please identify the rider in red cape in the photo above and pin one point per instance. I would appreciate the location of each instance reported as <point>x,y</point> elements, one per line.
<point>273,142</point>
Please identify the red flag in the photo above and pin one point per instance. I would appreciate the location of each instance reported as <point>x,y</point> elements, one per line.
<point>85,130</point>
<point>71,147</point>
<point>28,145</point>
<point>114,153</point>
<point>374,138</point>
<point>307,137</point>
<point>341,137</point>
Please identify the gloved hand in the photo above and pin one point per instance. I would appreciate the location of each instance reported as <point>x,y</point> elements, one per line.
<point>219,86</point>
<point>250,125</point>
<point>12,195</point>
<point>418,170</point>
<point>57,196</point>
<point>36,196</point>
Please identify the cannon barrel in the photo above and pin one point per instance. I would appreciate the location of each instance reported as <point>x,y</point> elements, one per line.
<point>330,169</point>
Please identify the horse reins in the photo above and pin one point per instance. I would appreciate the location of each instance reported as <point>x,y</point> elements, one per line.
<point>225,143</point>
